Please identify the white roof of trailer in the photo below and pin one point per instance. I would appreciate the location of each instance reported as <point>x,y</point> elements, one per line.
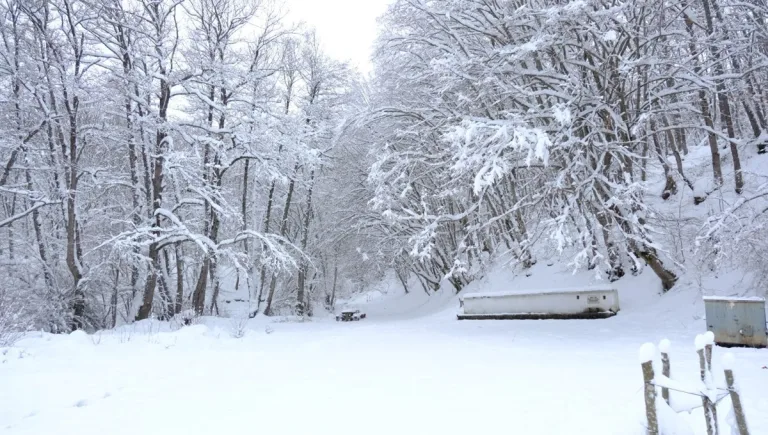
<point>573,290</point>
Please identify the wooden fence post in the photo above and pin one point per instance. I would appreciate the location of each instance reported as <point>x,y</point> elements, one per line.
<point>710,412</point>
<point>664,346</point>
<point>709,342</point>
<point>646,354</point>
<point>738,410</point>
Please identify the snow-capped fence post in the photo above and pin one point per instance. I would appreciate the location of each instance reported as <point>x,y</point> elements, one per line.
<point>707,390</point>
<point>710,412</point>
<point>647,352</point>
<point>709,340</point>
<point>738,410</point>
<point>664,346</point>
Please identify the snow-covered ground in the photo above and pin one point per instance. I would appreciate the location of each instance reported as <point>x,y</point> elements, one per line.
<point>410,368</point>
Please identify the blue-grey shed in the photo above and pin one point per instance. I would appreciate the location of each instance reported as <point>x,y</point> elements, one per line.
<point>736,321</point>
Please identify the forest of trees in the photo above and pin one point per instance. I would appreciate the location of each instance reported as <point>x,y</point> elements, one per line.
<point>151,147</point>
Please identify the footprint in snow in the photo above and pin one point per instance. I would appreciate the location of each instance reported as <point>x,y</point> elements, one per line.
<point>81,403</point>
<point>107,394</point>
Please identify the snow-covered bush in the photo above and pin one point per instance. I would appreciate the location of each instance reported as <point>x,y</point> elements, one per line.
<point>737,237</point>
<point>185,318</point>
<point>14,317</point>
<point>238,326</point>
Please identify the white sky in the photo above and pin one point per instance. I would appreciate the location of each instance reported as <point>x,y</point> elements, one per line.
<point>346,28</point>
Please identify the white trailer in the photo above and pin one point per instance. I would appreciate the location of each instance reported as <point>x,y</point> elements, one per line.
<point>567,303</point>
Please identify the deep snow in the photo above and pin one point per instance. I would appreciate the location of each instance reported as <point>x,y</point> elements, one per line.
<point>410,368</point>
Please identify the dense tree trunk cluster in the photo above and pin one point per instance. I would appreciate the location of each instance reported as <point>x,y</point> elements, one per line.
<point>514,125</point>
<point>155,149</point>
<point>159,153</point>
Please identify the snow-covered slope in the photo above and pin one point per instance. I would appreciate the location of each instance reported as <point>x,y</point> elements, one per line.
<point>409,368</point>
<point>640,296</point>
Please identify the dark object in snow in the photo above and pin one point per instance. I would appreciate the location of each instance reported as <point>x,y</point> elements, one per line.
<point>350,316</point>
<point>736,322</point>
<point>186,317</point>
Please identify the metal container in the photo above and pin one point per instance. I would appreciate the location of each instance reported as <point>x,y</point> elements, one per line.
<point>736,321</point>
<point>572,303</point>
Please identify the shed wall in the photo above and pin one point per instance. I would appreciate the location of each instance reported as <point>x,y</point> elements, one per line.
<point>737,322</point>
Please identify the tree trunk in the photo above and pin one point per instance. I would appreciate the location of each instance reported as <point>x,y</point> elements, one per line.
<point>73,262</point>
<point>400,277</point>
<point>283,231</point>
<point>668,279</point>
<point>267,220</point>
<point>704,107</point>
<point>157,199</point>
<point>332,302</point>
<point>165,287</point>
<point>198,296</point>
<point>113,299</point>
<point>674,140</point>
<point>214,310</point>
<point>37,225</point>
<point>300,308</point>
<point>616,270</point>
<point>723,100</point>
<point>161,144</point>
<point>179,278</point>
<point>244,204</point>
<point>670,188</point>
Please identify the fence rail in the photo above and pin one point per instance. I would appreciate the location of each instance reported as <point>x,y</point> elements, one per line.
<point>711,395</point>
